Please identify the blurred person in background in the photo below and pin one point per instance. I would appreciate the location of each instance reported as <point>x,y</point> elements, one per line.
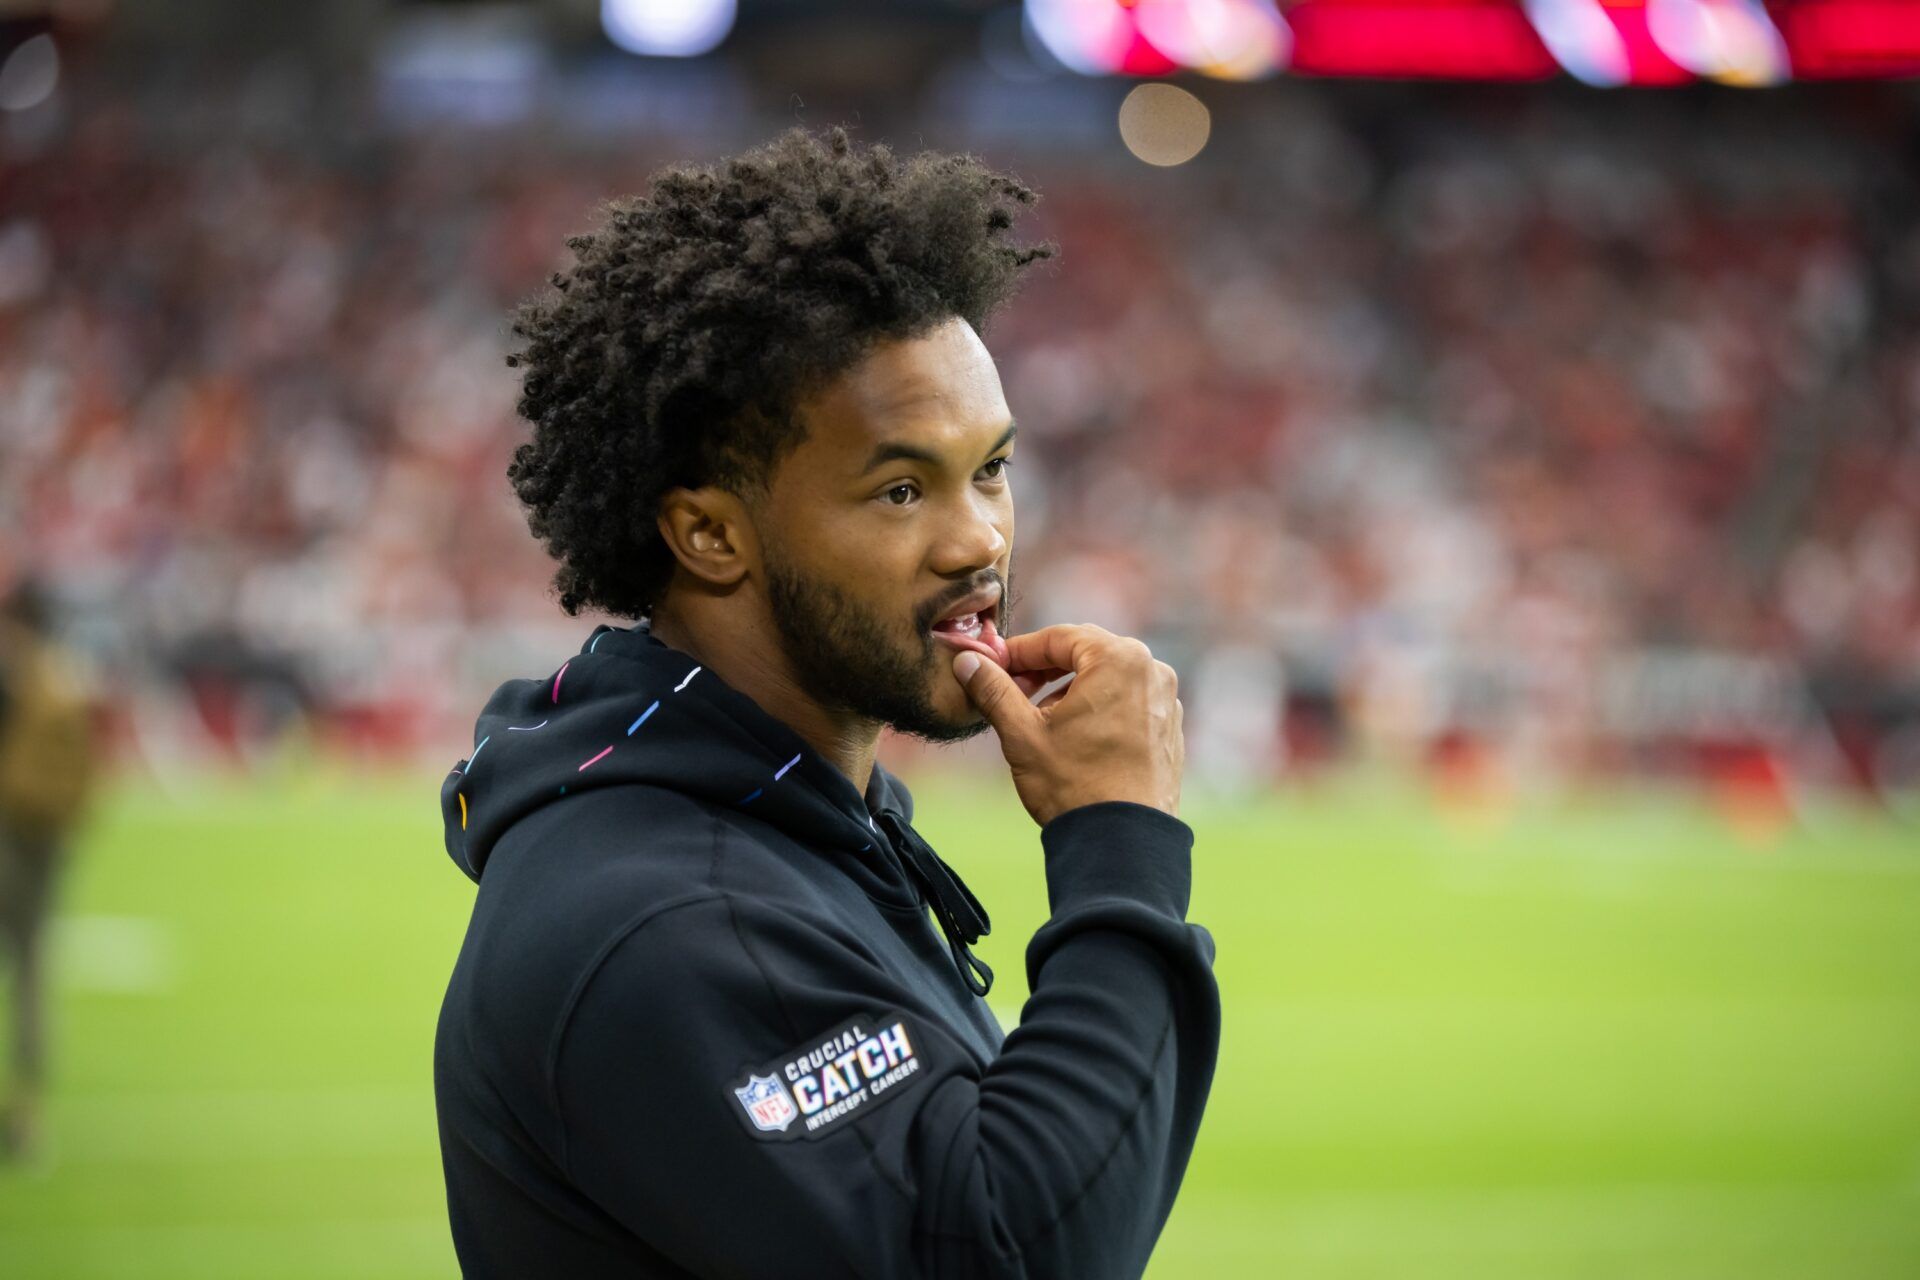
<point>46,776</point>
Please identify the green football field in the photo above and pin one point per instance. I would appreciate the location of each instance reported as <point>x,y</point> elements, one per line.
<point>1596,1038</point>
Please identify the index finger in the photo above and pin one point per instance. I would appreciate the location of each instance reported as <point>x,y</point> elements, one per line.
<point>1064,647</point>
<point>1031,682</point>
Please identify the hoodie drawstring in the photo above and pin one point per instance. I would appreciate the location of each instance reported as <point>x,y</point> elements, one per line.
<point>962,919</point>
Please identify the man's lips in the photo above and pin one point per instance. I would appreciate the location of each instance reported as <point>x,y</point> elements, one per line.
<point>988,643</point>
<point>970,626</point>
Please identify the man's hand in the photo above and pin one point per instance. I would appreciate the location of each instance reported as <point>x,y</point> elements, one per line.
<point>1112,734</point>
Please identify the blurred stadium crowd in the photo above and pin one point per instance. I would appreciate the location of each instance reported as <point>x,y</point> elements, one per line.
<point>1544,439</point>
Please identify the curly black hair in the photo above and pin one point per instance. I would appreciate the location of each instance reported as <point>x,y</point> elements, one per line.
<point>676,349</point>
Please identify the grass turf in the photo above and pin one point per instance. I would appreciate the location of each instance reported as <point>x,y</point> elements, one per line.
<point>1605,1037</point>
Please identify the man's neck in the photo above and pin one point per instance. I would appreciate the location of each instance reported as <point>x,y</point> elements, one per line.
<point>747,658</point>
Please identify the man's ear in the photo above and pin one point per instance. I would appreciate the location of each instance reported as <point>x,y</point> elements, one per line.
<point>710,533</point>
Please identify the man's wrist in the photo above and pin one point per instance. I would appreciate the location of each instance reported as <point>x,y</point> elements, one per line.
<point>1118,849</point>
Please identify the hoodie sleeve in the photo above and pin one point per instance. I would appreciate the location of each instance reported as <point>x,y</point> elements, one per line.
<point>752,1093</point>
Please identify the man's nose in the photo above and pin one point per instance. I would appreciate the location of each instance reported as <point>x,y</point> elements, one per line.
<point>974,541</point>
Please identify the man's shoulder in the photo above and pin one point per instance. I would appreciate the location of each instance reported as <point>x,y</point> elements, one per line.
<point>607,852</point>
<point>575,883</point>
<point>566,883</point>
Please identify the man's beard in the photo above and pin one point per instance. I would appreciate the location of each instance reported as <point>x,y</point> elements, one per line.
<point>845,656</point>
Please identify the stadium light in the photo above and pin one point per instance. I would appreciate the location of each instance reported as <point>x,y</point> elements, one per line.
<point>1446,39</point>
<point>1605,43</point>
<point>668,28</point>
<point>1852,38</point>
<point>1583,40</point>
<point>1091,37</point>
<point>30,74</point>
<point>1732,41</point>
<point>1226,39</point>
<point>1163,124</point>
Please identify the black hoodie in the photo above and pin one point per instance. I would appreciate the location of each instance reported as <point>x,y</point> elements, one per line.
<point>702,1023</point>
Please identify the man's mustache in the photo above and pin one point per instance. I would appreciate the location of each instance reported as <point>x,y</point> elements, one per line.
<point>933,612</point>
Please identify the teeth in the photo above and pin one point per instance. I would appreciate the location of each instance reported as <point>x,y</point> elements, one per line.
<point>965,624</point>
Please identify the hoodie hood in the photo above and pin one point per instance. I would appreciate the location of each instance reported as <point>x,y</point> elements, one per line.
<point>629,709</point>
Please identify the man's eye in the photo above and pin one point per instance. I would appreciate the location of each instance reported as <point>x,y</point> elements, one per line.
<point>1003,464</point>
<point>899,488</point>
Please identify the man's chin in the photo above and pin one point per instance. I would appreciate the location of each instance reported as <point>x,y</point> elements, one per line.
<point>936,726</point>
<point>944,732</point>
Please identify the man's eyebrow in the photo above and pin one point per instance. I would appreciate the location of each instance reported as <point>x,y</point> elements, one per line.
<point>893,450</point>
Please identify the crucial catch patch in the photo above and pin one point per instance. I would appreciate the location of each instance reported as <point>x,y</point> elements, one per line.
<point>823,1084</point>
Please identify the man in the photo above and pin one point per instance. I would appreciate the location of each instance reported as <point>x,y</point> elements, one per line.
<point>702,1024</point>
<point>46,771</point>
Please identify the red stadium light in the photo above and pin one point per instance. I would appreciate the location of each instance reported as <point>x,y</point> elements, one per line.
<point>1601,42</point>
<point>1647,62</point>
<point>1838,39</point>
<point>1441,39</point>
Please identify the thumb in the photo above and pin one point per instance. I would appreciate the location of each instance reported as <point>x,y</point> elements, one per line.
<point>998,697</point>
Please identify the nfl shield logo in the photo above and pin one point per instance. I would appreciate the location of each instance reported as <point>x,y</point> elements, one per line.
<point>767,1102</point>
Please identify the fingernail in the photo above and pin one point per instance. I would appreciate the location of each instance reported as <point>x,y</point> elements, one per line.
<point>965,664</point>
